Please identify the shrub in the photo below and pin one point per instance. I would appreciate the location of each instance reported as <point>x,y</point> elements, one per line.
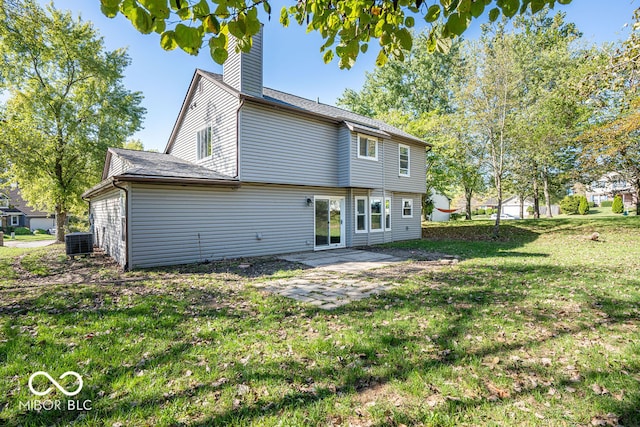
<point>454,216</point>
<point>481,211</point>
<point>617,206</point>
<point>489,211</point>
<point>583,206</point>
<point>22,231</point>
<point>606,204</point>
<point>40,231</point>
<point>530,210</point>
<point>570,204</point>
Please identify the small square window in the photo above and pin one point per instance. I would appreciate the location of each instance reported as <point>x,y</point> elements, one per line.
<point>367,147</point>
<point>407,208</point>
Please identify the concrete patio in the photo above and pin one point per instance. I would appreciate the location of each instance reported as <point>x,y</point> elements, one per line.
<point>343,260</point>
<point>334,280</point>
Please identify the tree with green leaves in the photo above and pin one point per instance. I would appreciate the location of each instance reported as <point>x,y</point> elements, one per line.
<point>420,84</point>
<point>491,99</point>
<point>612,143</point>
<point>347,26</point>
<point>551,110</point>
<point>66,105</point>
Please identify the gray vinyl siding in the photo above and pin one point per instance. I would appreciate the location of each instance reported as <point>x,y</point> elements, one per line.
<point>117,166</point>
<point>406,228</point>
<point>243,71</point>
<point>344,156</point>
<point>416,182</point>
<point>178,225</point>
<point>364,172</point>
<point>286,148</point>
<point>215,107</point>
<point>401,228</point>
<point>107,225</point>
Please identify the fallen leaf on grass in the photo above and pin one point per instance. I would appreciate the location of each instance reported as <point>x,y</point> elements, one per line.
<point>496,391</point>
<point>599,390</point>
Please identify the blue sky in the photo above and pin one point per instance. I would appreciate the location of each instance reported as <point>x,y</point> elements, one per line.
<point>292,60</point>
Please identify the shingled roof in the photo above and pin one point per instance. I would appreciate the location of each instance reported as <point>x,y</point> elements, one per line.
<point>277,97</point>
<point>147,166</point>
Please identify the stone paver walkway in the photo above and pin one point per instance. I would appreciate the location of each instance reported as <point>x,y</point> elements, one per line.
<point>334,281</point>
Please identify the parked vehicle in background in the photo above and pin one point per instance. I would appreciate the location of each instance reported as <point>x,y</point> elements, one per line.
<point>503,216</point>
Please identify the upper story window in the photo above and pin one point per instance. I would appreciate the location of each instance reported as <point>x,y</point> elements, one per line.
<point>404,154</point>
<point>367,147</point>
<point>203,143</point>
<point>4,201</point>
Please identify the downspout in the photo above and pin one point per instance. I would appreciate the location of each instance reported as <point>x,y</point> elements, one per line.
<point>384,199</point>
<point>126,231</point>
<point>238,136</point>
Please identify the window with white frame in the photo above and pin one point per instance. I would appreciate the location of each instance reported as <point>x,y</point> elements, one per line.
<point>203,145</point>
<point>361,214</point>
<point>15,220</point>
<point>375,214</point>
<point>367,147</point>
<point>387,214</point>
<point>404,154</point>
<point>407,208</point>
<point>4,201</point>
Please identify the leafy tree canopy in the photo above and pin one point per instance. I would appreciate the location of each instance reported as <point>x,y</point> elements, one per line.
<point>347,26</point>
<point>66,105</point>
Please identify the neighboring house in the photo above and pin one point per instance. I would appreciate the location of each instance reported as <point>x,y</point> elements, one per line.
<point>511,206</point>
<point>252,171</point>
<point>608,186</point>
<point>441,207</point>
<point>15,212</point>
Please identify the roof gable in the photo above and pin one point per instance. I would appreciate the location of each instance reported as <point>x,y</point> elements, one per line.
<point>293,103</point>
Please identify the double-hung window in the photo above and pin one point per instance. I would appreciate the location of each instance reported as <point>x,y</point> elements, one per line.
<point>376,215</point>
<point>387,214</point>
<point>15,220</point>
<point>404,154</point>
<point>203,145</point>
<point>367,147</point>
<point>407,208</point>
<point>361,214</point>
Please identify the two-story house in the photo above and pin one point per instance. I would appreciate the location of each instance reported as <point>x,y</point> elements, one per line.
<point>14,212</point>
<point>252,171</point>
<point>608,186</point>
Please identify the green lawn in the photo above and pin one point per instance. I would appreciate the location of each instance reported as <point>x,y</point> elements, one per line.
<point>539,327</point>
<point>30,237</point>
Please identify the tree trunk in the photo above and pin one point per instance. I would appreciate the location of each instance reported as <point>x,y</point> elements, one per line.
<point>522,197</point>
<point>536,198</point>
<point>547,196</point>
<point>61,219</point>
<point>496,227</point>
<point>637,197</point>
<point>468,194</point>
